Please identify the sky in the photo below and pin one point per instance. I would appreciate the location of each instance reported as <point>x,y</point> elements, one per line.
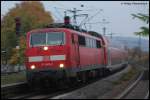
<point>116,13</point>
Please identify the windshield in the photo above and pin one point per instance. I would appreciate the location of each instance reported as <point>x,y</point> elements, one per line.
<point>51,38</point>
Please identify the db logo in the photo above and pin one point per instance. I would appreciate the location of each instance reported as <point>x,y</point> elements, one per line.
<point>46,64</point>
<point>45,58</point>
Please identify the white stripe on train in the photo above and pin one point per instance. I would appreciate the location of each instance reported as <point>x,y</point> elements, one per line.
<point>51,58</point>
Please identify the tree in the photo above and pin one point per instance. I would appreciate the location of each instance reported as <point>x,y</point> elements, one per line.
<point>32,15</point>
<point>145,18</point>
<point>18,53</point>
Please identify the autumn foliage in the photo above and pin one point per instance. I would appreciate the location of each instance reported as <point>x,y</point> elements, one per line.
<point>32,15</point>
<point>18,53</point>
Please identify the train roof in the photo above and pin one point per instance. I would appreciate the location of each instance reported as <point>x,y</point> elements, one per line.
<point>73,28</point>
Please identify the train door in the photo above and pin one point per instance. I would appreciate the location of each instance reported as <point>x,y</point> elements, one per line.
<point>109,57</point>
<point>76,49</point>
<point>105,51</point>
<point>102,54</point>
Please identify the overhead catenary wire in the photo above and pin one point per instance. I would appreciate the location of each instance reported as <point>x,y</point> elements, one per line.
<point>86,16</point>
<point>97,23</point>
<point>90,18</point>
<point>58,3</point>
<point>74,11</point>
<point>87,19</point>
<point>58,12</point>
<point>61,8</point>
<point>82,9</point>
<point>56,17</point>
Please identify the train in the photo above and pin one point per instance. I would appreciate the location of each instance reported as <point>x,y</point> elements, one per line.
<point>66,52</point>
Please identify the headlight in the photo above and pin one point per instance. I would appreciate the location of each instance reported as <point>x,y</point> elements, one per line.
<point>61,65</point>
<point>32,67</point>
<point>45,48</point>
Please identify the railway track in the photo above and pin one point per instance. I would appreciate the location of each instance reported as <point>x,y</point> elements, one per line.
<point>138,89</point>
<point>53,92</point>
<point>44,94</point>
<point>49,93</point>
<point>11,89</point>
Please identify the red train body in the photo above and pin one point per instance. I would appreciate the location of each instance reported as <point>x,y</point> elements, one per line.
<point>59,53</point>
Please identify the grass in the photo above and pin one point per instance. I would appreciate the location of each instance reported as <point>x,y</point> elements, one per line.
<point>13,78</point>
<point>126,76</point>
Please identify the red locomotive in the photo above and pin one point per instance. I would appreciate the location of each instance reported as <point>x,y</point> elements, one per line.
<point>68,53</point>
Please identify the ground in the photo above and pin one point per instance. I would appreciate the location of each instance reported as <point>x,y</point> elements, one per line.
<point>13,78</point>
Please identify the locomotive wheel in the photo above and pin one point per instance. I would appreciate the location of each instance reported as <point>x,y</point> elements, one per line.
<point>61,83</point>
<point>106,72</point>
<point>31,84</point>
<point>100,73</point>
<point>84,78</point>
<point>97,73</point>
<point>94,73</point>
<point>72,82</point>
<point>89,75</point>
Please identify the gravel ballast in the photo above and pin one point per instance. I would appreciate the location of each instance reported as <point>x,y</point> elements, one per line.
<point>96,90</point>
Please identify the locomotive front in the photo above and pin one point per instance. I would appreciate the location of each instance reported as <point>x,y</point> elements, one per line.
<point>46,54</point>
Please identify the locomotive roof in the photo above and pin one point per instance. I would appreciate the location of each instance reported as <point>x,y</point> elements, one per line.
<point>62,29</point>
<point>73,27</point>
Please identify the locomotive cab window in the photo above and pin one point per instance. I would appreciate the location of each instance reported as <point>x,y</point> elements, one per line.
<point>55,38</point>
<point>98,44</point>
<point>50,38</point>
<point>81,40</point>
<point>38,39</point>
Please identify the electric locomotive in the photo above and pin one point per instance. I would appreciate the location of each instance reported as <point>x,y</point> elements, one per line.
<point>64,52</point>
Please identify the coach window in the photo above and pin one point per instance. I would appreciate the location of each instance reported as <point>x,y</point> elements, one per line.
<point>87,42</point>
<point>91,43</point>
<point>81,40</point>
<point>98,45</point>
<point>94,44</point>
